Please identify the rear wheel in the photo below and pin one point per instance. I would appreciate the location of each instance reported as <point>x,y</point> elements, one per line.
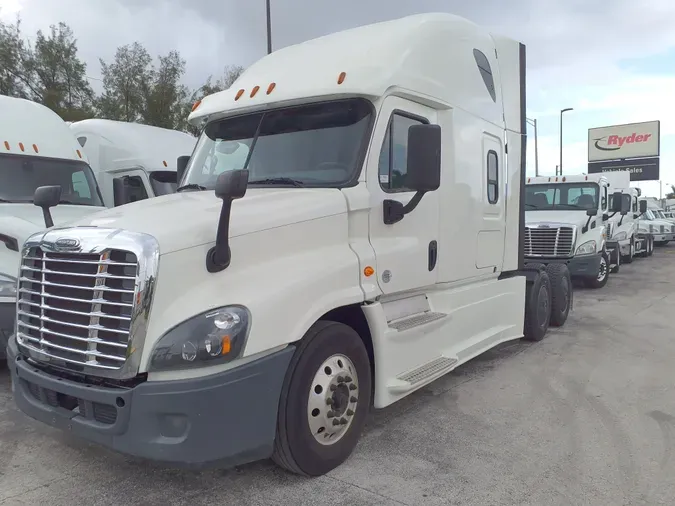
<point>561,290</point>
<point>324,401</point>
<point>537,307</point>
<point>617,266</point>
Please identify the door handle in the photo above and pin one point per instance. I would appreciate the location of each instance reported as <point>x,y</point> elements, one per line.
<point>433,255</point>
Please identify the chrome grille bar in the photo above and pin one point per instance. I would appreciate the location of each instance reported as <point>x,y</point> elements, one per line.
<point>550,242</point>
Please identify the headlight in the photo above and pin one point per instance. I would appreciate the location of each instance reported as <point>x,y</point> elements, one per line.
<point>587,248</point>
<point>214,337</point>
<point>620,236</point>
<point>643,230</point>
<point>7,286</point>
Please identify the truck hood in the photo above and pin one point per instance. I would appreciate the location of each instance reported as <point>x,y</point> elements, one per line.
<point>566,217</point>
<point>22,220</point>
<point>188,219</point>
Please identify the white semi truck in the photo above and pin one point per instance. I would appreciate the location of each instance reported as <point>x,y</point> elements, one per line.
<point>661,230</point>
<point>132,161</point>
<point>626,235</point>
<point>36,149</point>
<point>268,304</point>
<point>568,222</point>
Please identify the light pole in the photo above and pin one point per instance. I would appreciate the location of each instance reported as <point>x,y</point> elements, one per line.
<point>561,137</point>
<point>533,122</point>
<point>269,27</point>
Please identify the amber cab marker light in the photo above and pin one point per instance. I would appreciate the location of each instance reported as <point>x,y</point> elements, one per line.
<point>271,87</point>
<point>254,91</point>
<point>165,164</point>
<point>35,148</point>
<point>21,146</point>
<point>368,271</point>
<point>78,153</point>
<point>341,77</point>
<point>239,94</point>
<point>196,104</point>
<point>7,146</point>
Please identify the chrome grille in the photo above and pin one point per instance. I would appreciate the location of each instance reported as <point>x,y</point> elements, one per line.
<point>549,241</point>
<point>77,307</point>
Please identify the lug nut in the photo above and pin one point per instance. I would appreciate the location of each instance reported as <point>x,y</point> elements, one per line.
<point>348,379</point>
<point>336,422</point>
<point>340,379</point>
<point>353,399</point>
<point>350,412</point>
<point>352,387</point>
<point>329,401</point>
<point>330,414</point>
<point>332,388</point>
<point>343,421</point>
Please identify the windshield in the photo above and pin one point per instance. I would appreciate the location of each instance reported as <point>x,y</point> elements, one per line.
<point>310,145</point>
<point>21,175</point>
<point>649,215</point>
<point>660,214</point>
<point>163,182</point>
<point>564,196</point>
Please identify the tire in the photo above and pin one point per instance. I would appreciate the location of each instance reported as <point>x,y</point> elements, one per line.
<point>309,382</point>
<point>650,247</point>
<point>537,307</point>
<point>561,293</point>
<point>599,281</point>
<point>629,258</point>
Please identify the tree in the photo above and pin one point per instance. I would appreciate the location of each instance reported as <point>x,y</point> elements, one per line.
<point>671,193</point>
<point>14,54</point>
<point>230,74</point>
<point>58,77</point>
<point>166,96</point>
<point>126,83</point>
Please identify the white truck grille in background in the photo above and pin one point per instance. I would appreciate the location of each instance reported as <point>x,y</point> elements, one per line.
<point>77,307</point>
<point>549,241</point>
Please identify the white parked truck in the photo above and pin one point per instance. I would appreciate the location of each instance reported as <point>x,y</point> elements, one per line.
<point>36,149</point>
<point>661,230</point>
<point>567,221</point>
<point>132,161</point>
<point>364,239</point>
<point>626,235</point>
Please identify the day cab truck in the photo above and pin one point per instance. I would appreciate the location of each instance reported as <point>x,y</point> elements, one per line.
<point>263,308</point>
<point>661,231</point>
<point>36,149</point>
<point>631,240</point>
<point>567,221</point>
<point>132,161</point>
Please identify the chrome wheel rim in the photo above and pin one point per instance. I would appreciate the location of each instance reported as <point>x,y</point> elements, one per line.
<point>602,272</point>
<point>333,399</point>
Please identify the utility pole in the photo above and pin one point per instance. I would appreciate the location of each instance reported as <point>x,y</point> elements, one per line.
<point>269,27</point>
<point>561,136</point>
<point>533,122</point>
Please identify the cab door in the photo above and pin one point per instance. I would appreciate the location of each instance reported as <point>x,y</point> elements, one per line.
<point>407,251</point>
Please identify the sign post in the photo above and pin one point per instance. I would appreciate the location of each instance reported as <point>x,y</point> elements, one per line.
<point>633,147</point>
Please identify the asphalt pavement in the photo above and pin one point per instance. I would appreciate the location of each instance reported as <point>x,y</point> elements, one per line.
<point>584,417</point>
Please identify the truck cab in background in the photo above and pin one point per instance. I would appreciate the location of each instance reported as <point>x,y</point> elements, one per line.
<point>626,235</point>
<point>567,219</point>
<point>36,149</point>
<point>132,161</point>
<point>662,231</point>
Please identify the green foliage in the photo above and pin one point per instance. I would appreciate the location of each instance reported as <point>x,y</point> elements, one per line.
<point>134,88</point>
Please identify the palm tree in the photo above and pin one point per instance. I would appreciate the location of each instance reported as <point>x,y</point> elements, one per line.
<point>671,193</point>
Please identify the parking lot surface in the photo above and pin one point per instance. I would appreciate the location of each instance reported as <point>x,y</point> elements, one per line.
<point>586,416</point>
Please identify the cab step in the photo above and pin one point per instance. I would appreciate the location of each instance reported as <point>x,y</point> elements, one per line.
<point>423,374</point>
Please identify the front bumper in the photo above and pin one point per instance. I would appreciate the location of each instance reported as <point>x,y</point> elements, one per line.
<point>225,419</point>
<point>7,315</point>
<point>579,266</point>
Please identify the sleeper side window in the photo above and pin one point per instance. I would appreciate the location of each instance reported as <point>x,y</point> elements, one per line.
<point>492,177</point>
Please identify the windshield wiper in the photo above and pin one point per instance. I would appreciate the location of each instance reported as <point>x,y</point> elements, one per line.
<point>532,205</point>
<point>192,186</point>
<point>278,180</point>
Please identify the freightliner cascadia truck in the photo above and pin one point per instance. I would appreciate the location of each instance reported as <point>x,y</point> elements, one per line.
<point>348,229</point>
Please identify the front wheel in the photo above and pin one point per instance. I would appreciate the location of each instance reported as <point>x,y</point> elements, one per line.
<point>601,278</point>
<point>629,258</point>
<point>324,401</point>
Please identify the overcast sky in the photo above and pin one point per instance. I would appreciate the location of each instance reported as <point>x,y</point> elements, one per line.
<point>613,61</point>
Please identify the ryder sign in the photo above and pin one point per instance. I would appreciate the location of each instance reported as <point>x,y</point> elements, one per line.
<point>618,142</point>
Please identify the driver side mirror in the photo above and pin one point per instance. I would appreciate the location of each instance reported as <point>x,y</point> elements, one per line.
<point>230,185</point>
<point>616,202</point>
<point>423,170</point>
<point>47,197</point>
<point>643,206</point>
<point>181,165</point>
<point>591,212</point>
